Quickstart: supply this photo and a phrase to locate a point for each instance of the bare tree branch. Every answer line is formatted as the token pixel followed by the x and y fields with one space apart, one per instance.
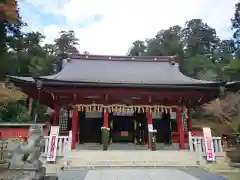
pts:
pixel 226 109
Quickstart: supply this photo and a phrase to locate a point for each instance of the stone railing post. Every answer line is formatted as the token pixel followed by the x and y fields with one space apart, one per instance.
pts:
pixel 190 141
pixel 199 149
pixel 65 152
pixel 70 140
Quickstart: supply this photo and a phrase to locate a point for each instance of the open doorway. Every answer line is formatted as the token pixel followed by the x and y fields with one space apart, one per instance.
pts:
pixel 122 129
pixel 163 127
pixel 90 128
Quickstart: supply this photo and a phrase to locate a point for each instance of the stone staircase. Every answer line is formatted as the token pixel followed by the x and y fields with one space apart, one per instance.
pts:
pixel 125 146
pixel 124 158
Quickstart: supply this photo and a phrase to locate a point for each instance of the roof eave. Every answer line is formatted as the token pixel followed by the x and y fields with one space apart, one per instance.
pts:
pixel 18 79
pixel 210 86
pixel 51 82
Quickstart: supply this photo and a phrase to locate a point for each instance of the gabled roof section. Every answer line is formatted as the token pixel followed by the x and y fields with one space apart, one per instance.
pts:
pixel 133 70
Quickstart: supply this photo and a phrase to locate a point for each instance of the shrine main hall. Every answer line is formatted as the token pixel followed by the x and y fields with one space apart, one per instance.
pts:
pixel 128 95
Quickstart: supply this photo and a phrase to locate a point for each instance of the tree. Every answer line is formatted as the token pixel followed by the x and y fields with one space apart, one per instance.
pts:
pixel 199 38
pixel 23 55
pixel 9 10
pixel 10 26
pixel 9 93
pixel 50 49
pixel 153 47
pixel 138 48
pixel 226 110
pixel 233 70
pixel 29 57
pixel 225 51
pixel 40 62
pixel 170 41
pixel 200 67
pixel 236 27
pixel 201 44
pixel 166 43
pixel 86 53
pixel 66 44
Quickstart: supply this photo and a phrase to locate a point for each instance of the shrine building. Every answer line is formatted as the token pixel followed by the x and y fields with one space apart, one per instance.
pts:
pixel 128 94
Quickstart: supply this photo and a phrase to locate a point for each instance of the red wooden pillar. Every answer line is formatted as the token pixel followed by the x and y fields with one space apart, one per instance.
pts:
pixel 180 127
pixel 189 120
pixel 74 127
pixel 78 130
pixel 105 119
pixel 56 114
pixel 150 125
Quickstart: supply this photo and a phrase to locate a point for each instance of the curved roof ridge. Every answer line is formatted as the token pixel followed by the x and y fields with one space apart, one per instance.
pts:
pixel 124 58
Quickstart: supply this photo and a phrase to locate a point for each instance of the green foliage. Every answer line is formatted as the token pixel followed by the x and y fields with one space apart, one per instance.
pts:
pixel 9 30
pixel 200 53
pixel 199 38
pixel 14 112
pixel 233 69
pixel 24 55
pixel 66 44
pixel 236 25
pixel 199 65
pixel 137 49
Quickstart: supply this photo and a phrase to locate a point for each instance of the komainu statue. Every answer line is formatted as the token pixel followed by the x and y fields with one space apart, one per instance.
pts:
pixel 26 157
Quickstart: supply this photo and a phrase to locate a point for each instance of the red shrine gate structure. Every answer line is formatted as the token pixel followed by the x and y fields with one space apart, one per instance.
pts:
pixel 113 84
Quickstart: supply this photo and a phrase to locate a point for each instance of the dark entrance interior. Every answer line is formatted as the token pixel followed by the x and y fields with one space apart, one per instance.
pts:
pixel 129 128
pixel 90 129
pixel 163 127
pixel 122 129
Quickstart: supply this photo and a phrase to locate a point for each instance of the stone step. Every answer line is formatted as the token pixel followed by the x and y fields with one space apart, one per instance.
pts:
pixel 131 158
pixel 94 166
pixel 132 155
pixel 132 162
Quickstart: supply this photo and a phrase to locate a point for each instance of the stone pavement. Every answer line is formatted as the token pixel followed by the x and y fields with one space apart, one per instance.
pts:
pixel 139 174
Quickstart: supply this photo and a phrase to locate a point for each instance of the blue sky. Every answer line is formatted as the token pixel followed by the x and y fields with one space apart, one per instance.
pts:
pixel 110 26
pixel 33 15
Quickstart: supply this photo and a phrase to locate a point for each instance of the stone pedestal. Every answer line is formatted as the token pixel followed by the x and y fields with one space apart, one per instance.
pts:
pixel 25 163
